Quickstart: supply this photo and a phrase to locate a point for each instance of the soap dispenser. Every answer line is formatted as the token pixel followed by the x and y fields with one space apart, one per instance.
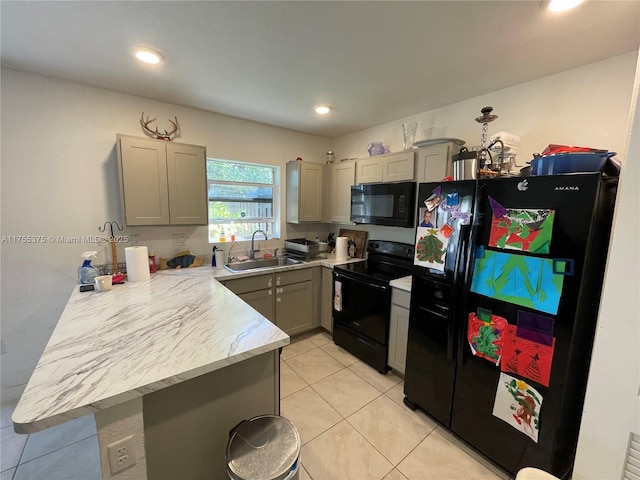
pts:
pixel 213 256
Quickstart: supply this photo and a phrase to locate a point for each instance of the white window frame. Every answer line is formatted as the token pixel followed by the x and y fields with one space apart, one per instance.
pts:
pixel 273 220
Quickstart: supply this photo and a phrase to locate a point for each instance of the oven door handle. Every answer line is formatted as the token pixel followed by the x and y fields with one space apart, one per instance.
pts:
pixel 362 282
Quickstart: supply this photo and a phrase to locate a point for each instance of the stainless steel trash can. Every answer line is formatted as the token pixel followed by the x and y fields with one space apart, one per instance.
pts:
pixel 266 447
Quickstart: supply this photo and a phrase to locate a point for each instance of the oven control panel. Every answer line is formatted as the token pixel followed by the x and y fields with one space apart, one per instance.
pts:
pixel 396 249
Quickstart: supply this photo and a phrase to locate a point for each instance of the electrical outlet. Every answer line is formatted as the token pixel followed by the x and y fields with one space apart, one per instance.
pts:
pixel 178 239
pixel 122 454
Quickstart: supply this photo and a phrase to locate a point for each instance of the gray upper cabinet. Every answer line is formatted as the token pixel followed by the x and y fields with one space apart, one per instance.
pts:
pixel 434 162
pixel 393 167
pixel 342 179
pixel 162 183
pixel 304 192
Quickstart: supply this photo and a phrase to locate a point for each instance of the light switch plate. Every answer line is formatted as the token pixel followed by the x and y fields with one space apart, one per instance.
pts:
pixel 178 239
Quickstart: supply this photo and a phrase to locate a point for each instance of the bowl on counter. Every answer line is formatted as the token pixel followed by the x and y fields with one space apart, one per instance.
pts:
pixel 570 163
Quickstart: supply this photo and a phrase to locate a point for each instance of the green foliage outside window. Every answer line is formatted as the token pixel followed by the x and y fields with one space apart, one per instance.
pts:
pixel 242 199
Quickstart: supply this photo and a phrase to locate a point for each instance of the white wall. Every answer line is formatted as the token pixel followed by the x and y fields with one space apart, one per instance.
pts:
pixel 588 106
pixel 59 177
pixel 612 404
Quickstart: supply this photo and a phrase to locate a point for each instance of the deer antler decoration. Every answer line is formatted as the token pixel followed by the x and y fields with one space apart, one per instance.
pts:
pixel 155 133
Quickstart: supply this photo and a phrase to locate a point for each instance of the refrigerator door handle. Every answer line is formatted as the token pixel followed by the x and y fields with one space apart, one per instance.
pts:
pixel 470 240
pixel 451 340
pixel 461 257
pixel 462 249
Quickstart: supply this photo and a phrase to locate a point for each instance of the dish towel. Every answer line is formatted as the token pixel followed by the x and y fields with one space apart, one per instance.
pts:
pixel 337 297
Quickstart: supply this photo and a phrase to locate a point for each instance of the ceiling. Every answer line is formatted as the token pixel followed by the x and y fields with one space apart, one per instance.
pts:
pixel 272 61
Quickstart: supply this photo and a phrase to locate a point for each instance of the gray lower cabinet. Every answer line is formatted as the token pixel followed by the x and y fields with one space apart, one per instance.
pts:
pixel 326 305
pixel 286 298
pixel 257 291
pixel 293 307
pixel 294 301
pixel 399 329
pixel 186 426
pixel 262 302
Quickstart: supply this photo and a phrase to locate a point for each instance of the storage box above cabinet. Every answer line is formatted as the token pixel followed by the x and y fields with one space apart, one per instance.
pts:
pixel 162 183
pixel 394 167
pixel 304 192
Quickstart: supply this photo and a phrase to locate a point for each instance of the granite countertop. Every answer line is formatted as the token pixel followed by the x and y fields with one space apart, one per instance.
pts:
pixel 403 283
pixel 140 337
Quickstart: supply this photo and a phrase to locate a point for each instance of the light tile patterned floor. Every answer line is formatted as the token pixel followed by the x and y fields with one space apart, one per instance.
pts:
pixel 352 423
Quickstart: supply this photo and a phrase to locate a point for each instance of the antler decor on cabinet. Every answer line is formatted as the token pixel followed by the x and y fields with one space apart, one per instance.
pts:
pixel 155 133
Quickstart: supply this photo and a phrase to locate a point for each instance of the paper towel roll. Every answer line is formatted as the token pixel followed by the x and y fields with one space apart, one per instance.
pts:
pixel 219 258
pixel 341 249
pixel 137 259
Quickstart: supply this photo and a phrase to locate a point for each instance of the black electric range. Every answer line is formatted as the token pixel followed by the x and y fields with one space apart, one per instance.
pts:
pixel 362 300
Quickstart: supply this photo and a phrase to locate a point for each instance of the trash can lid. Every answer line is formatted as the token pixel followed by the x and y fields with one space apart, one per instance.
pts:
pixel 262 448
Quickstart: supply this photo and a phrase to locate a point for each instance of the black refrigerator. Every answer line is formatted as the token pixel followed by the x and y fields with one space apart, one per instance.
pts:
pixel 505 293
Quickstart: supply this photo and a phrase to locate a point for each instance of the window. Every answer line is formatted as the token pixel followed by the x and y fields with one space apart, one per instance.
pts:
pixel 243 198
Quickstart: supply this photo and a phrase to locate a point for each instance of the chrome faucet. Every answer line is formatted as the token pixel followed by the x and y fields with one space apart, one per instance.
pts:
pixel 230 258
pixel 252 252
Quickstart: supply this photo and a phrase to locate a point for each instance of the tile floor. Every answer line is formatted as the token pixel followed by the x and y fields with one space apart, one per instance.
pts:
pixel 351 419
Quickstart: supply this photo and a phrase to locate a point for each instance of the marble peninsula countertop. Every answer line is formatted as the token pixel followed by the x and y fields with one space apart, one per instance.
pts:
pixel 111 347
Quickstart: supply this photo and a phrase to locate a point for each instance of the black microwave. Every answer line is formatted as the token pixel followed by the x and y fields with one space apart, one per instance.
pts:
pixel 391 204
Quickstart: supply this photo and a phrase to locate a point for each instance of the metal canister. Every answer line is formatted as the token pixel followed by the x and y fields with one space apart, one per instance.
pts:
pixel 266 447
pixel 465 165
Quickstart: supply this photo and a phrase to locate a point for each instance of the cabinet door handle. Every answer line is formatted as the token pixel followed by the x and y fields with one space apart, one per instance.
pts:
pixel 278 300
pixel 279 290
pixel 270 292
pixel 277 280
pixel 270 283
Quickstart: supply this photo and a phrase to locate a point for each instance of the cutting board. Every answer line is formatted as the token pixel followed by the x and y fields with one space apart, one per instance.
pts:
pixel 358 236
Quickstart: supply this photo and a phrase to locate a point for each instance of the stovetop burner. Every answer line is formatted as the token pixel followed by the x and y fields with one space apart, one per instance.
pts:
pixel 386 261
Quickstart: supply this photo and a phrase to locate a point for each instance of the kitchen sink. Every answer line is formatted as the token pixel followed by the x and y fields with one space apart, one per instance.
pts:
pixel 259 263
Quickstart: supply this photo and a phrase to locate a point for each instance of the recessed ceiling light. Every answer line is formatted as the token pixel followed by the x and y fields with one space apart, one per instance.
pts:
pixel 562 5
pixel 148 56
pixel 323 108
